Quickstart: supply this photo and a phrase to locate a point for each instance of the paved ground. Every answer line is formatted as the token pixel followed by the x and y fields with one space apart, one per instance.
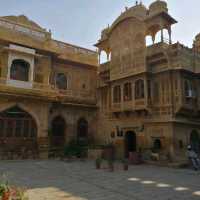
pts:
pixel 55 180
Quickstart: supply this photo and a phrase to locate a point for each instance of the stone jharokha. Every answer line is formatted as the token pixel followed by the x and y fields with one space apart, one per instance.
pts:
pixel 148 90
pixel 146 96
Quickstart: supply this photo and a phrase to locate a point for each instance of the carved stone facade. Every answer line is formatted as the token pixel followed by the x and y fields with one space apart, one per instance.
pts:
pixel 148 94
pixel 146 97
pixel 48 90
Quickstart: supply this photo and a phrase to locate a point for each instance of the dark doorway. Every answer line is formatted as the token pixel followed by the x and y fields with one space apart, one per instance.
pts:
pixel 130 143
pixel 57 136
pixel 195 141
pixel 82 130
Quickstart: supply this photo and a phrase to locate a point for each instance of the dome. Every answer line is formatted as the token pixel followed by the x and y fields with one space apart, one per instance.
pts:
pixel 197 37
pixel 158 7
pixel 139 12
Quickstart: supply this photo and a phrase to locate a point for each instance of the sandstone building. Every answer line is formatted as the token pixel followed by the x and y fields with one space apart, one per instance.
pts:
pixel 149 94
pixel 146 96
pixel 47 89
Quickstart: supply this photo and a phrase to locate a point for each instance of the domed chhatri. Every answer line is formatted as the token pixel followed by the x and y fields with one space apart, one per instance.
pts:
pixel 158 7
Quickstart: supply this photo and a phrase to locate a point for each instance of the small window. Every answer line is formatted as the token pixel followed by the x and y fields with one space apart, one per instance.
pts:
pixel 181 144
pixel 189 89
pixel 117 94
pixel 127 92
pixel 83 86
pixel 61 81
pixel 139 89
pixel 157 145
pixel 149 89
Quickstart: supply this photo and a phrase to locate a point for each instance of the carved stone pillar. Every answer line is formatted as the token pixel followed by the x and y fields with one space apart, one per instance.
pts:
pixel 170 34
pixel 43 147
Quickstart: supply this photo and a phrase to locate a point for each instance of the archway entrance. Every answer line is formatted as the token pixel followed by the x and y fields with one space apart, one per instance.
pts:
pixel 57 137
pixel 18 132
pixel 195 141
pixel 82 130
pixel 130 143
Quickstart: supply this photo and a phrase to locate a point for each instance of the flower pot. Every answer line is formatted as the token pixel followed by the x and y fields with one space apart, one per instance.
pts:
pixel 6 196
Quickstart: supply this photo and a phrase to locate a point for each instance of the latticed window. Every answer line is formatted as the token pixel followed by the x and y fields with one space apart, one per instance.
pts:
pixel 189 89
pixel 61 81
pixel 127 92
pixel 16 123
pixel 19 70
pixel 139 89
pixel 117 94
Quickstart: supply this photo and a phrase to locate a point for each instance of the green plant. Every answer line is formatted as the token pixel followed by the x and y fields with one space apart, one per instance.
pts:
pixel 3 188
pixel 75 149
pixel 98 161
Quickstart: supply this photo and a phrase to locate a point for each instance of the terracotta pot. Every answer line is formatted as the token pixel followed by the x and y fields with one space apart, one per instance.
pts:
pixel 6 196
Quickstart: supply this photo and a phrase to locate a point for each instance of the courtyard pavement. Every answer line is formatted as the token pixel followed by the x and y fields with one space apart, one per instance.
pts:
pixel 56 180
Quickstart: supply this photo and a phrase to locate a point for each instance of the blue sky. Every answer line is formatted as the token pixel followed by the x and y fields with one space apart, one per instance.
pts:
pixel 80 21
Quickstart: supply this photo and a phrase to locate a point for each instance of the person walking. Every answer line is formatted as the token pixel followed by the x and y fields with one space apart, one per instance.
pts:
pixel 193 157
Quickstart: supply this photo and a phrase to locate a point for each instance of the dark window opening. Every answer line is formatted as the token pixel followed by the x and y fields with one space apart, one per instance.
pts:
pixel 127 92
pixel 20 70
pixel 61 81
pixel 117 94
pixel 139 89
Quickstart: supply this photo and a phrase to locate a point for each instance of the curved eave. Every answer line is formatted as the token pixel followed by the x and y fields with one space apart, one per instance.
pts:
pixel 163 15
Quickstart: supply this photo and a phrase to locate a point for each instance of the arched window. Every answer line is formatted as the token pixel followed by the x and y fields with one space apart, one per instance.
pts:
pixel 139 89
pixel 17 123
pixel 127 92
pixel 117 94
pixel 19 70
pixel 61 81
pixel 82 129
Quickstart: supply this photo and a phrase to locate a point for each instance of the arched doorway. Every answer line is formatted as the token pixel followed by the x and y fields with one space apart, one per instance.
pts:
pixel 57 137
pixel 82 130
pixel 130 143
pixel 195 141
pixel 18 131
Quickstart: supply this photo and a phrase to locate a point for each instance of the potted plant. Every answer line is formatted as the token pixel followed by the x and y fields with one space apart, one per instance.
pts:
pixel 4 192
pixel 125 164
pixel 111 165
pixel 98 163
